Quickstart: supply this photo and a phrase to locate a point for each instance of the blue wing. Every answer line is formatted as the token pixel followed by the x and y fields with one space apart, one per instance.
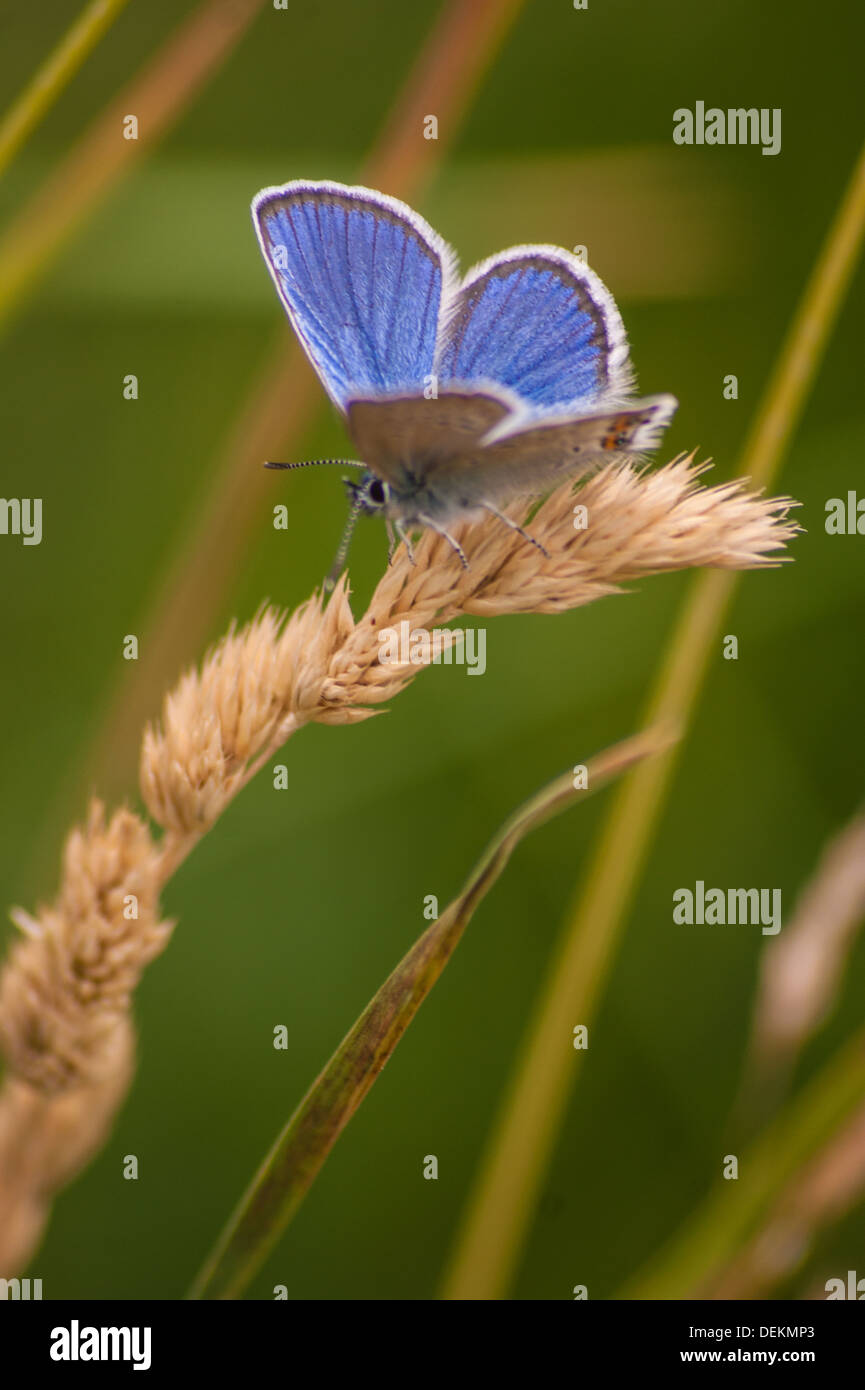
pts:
pixel 536 320
pixel 362 278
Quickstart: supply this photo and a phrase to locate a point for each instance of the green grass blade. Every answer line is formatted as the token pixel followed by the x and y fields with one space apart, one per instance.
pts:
pixel 164 86
pixel 506 1194
pixel 296 1158
pixel 49 81
pixel 733 1210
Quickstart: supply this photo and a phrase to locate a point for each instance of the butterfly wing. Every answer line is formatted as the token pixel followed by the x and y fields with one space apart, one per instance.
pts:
pixel 472 446
pixel 362 278
pixel 407 439
pixel 540 322
pixel 530 457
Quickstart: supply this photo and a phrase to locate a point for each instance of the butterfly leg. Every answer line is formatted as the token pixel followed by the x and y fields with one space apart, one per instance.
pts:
pixel 515 526
pixel 391 538
pixel 406 540
pixel 454 544
pixel 339 560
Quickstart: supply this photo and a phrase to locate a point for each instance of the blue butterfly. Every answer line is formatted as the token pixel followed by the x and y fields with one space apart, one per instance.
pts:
pixel 460 395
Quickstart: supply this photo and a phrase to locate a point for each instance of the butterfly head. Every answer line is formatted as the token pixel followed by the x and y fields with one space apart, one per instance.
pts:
pixel 368 494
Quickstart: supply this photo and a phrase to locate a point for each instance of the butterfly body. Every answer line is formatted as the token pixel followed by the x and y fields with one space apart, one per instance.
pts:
pixel 460 396
pixel 414 446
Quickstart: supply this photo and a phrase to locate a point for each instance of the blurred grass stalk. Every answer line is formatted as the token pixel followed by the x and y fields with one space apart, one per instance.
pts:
pixel 506 1193
pixel 50 80
pixel 158 97
pixel 715 1235
pixel 808 1168
pixel 828 1187
pixel 802 972
pixel 291 1167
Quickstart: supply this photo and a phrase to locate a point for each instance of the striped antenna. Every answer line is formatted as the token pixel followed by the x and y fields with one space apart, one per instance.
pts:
pixel 317 463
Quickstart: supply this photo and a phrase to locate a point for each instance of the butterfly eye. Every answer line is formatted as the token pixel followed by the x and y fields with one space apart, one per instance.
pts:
pixel 376 492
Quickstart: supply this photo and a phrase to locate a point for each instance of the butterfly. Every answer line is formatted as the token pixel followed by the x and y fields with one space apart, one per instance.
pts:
pixel 460 395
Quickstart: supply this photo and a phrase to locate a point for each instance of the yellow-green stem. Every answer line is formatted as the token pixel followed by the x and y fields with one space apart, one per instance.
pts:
pixel 505 1197
pixel 732 1211
pixel 49 81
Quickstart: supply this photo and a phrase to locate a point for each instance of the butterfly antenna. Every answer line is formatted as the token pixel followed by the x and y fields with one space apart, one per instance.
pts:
pixel 317 463
pixel 339 560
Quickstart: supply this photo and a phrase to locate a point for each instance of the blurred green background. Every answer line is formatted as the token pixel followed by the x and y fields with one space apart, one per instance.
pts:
pixel 299 903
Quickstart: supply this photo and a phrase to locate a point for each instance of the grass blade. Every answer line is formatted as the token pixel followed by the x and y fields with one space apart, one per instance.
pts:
pixel 507 1190
pixel 160 93
pixel 733 1209
pixel 49 81
pixel 296 1158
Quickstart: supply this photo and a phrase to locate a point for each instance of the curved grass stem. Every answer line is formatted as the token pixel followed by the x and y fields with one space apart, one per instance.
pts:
pixel 294 1162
